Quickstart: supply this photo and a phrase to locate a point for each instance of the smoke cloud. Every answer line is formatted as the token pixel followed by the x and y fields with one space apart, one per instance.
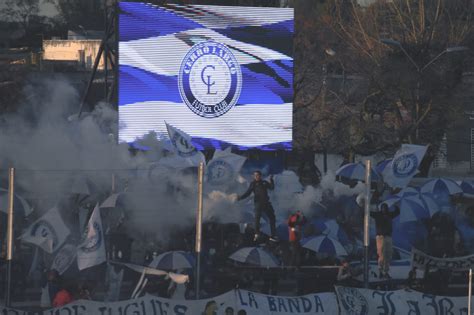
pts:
pixel 59 156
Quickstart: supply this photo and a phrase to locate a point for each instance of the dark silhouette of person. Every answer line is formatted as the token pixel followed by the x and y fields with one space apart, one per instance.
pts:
pixel 383 230
pixel 259 188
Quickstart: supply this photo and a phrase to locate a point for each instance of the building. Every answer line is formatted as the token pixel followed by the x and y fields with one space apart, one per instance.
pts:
pixel 79 54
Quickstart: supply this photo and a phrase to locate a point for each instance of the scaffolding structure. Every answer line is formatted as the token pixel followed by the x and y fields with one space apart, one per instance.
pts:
pixel 108 50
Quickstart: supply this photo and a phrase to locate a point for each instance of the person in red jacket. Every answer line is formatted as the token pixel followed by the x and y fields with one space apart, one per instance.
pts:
pixel 295 226
pixel 63 297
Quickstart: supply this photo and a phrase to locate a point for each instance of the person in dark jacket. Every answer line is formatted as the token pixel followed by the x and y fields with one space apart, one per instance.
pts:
pixel 259 188
pixel 383 230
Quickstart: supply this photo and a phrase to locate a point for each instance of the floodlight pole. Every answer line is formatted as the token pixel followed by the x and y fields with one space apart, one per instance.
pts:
pixel 366 223
pixel 199 229
pixel 11 183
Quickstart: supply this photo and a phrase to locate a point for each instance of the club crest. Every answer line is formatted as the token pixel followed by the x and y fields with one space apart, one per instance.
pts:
pixel 210 79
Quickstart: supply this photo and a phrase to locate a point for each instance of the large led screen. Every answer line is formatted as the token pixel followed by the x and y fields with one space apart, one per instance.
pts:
pixel 221 74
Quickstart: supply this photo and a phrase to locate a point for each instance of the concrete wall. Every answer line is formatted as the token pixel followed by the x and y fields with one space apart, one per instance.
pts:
pixel 83 52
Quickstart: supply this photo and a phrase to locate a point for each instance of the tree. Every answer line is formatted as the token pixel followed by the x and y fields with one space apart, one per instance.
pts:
pixel 404 87
pixel 20 11
pixel 75 14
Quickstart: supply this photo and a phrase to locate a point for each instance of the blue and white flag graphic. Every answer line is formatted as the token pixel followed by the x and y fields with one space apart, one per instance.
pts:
pixel 91 251
pixel 404 165
pixel 224 167
pixel 184 148
pixel 222 74
pixel 48 232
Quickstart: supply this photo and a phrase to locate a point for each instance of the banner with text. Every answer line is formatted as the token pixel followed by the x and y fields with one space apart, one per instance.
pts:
pixel 422 260
pixel 229 303
pixel 355 301
pixel 352 301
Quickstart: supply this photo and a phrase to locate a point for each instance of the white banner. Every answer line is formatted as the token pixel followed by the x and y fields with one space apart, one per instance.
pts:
pixel 399 270
pixel 256 303
pixel 11 311
pixel 91 251
pixel 151 305
pixel 228 303
pixel 355 301
pixel 48 232
pixel 404 165
pixel 422 260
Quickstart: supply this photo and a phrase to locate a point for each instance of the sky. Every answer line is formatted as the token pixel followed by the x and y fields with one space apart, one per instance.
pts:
pixel 46 9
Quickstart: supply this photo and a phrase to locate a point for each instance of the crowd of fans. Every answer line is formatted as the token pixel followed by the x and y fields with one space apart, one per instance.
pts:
pixel 302 271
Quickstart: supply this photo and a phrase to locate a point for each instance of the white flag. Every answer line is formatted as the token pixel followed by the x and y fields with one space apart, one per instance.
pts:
pixel 404 165
pixel 224 168
pixel 91 251
pixel 183 147
pixel 64 258
pixel 48 232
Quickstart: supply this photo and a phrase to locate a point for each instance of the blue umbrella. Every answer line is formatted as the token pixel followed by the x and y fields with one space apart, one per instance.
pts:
pixel 412 207
pixel 427 199
pixel 356 171
pixel 20 205
pixel 405 235
pixel 331 228
pixel 324 244
pixel 255 256
pixel 173 260
pixel 467 187
pixel 409 234
pixel 441 187
pixel 380 167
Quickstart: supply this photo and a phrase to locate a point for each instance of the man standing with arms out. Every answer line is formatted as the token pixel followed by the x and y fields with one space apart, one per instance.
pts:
pixel 383 227
pixel 260 188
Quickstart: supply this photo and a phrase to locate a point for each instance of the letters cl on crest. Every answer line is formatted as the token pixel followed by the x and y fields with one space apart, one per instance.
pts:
pixel 210 79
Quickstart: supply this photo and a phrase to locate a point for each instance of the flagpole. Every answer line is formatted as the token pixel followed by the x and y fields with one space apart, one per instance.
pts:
pixel 366 223
pixel 469 298
pixel 113 183
pixel 11 182
pixel 199 229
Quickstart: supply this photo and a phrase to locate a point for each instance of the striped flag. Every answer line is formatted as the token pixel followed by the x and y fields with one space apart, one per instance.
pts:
pixel 247 77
